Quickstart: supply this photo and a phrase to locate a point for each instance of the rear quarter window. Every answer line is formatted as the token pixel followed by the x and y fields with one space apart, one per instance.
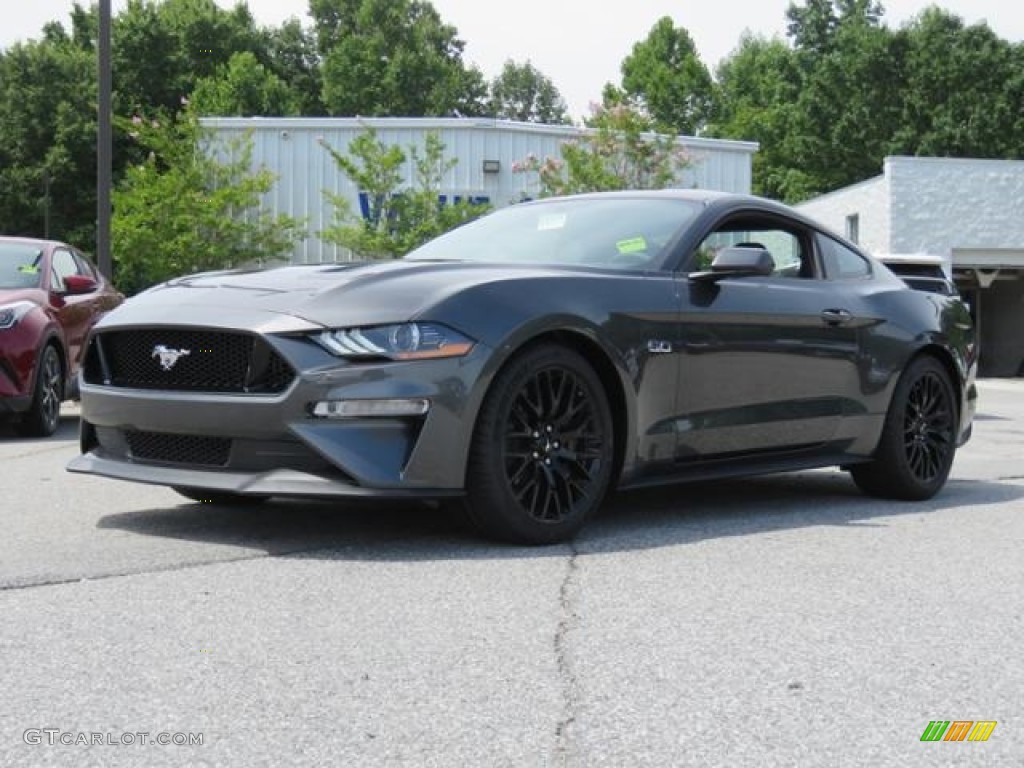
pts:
pixel 841 262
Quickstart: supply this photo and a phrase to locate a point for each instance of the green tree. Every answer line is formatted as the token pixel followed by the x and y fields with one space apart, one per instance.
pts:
pixel 522 92
pixel 295 60
pixel 758 90
pixel 84 25
pixel 666 78
pixel 849 108
pixel 962 90
pixel 193 205
pixel 619 151
pixel 162 48
pixel 824 110
pixel 48 121
pixel 148 66
pixel 401 216
pixel 393 57
pixel 244 88
pixel 48 151
pixel 331 21
pixel 813 26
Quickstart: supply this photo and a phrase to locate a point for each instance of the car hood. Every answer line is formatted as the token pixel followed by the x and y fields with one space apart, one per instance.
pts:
pixel 335 295
pixel 11 295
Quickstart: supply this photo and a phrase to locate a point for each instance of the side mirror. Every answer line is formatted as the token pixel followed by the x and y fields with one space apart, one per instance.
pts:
pixel 75 285
pixel 738 261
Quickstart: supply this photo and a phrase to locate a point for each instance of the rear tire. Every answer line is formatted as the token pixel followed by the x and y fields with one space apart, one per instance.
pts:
pixel 43 416
pixel 543 449
pixel 918 444
pixel 220 498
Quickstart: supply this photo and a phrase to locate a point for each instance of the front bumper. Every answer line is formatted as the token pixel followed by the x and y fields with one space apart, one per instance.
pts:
pixel 19 349
pixel 273 445
pixel 12 405
pixel 277 482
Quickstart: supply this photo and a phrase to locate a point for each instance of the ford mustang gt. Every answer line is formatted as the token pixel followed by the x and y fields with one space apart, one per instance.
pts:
pixel 531 361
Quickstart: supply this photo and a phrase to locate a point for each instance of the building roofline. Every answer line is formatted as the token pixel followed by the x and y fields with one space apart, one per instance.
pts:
pixel 911 160
pixel 843 190
pixel 896 160
pixel 481 123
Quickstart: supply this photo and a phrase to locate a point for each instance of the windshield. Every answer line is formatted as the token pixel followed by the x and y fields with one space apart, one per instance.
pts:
pixel 616 233
pixel 19 265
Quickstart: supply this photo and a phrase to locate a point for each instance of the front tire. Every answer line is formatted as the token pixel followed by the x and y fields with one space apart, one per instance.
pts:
pixel 915 453
pixel 43 416
pixel 543 449
pixel 219 498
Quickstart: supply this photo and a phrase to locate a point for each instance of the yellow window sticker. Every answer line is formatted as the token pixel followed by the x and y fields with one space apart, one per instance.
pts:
pixel 633 245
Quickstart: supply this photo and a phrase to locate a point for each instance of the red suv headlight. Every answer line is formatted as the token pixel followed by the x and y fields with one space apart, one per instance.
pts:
pixel 10 314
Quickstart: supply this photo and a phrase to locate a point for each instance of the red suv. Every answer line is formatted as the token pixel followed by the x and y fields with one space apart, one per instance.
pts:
pixel 50 296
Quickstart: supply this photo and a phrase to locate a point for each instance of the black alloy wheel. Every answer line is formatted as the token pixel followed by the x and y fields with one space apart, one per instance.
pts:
pixel 928 427
pixel 43 416
pixel 542 454
pixel 918 442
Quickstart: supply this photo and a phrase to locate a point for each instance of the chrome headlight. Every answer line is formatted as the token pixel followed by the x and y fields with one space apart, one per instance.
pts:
pixel 10 314
pixel 407 341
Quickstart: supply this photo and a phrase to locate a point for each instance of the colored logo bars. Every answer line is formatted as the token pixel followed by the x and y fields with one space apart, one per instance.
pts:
pixel 958 730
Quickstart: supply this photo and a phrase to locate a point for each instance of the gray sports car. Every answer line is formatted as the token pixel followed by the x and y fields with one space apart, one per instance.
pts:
pixel 532 360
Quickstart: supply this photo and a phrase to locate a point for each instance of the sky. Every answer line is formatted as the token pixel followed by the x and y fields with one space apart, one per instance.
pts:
pixel 576 43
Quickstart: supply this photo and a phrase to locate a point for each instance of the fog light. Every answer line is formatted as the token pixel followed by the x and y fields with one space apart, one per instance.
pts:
pixel 351 409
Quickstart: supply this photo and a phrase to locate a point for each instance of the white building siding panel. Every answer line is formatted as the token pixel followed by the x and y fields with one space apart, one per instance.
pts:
pixel 292 149
pixel 932 205
pixel 939 204
pixel 868 201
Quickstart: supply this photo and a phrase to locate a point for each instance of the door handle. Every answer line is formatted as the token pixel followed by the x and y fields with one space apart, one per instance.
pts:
pixel 836 316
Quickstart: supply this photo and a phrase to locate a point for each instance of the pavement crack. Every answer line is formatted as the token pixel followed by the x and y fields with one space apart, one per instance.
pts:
pixel 568 602
pixel 33 452
pixel 169 568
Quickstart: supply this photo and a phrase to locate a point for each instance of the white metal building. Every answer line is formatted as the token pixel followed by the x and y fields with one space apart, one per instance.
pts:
pixel 969 212
pixel 486 150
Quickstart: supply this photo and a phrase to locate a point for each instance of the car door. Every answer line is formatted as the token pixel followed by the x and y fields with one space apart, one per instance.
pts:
pixel 74 313
pixel 768 363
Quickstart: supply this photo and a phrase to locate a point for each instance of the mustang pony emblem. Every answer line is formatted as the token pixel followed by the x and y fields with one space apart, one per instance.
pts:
pixel 169 357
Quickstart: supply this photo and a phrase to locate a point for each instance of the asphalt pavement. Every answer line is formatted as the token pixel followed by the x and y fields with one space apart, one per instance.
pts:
pixel 777 621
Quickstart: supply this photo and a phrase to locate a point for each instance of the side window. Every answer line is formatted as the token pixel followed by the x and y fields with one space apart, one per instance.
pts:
pixel 85 267
pixel 63 265
pixel 840 262
pixel 791 258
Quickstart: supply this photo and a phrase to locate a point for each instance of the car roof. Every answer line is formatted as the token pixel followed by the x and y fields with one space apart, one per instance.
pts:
pixel 29 241
pixel 723 202
pixel 696 195
pixel 707 197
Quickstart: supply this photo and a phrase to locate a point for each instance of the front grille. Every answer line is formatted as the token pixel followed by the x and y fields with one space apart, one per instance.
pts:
pixel 177 359
pixel 178 449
